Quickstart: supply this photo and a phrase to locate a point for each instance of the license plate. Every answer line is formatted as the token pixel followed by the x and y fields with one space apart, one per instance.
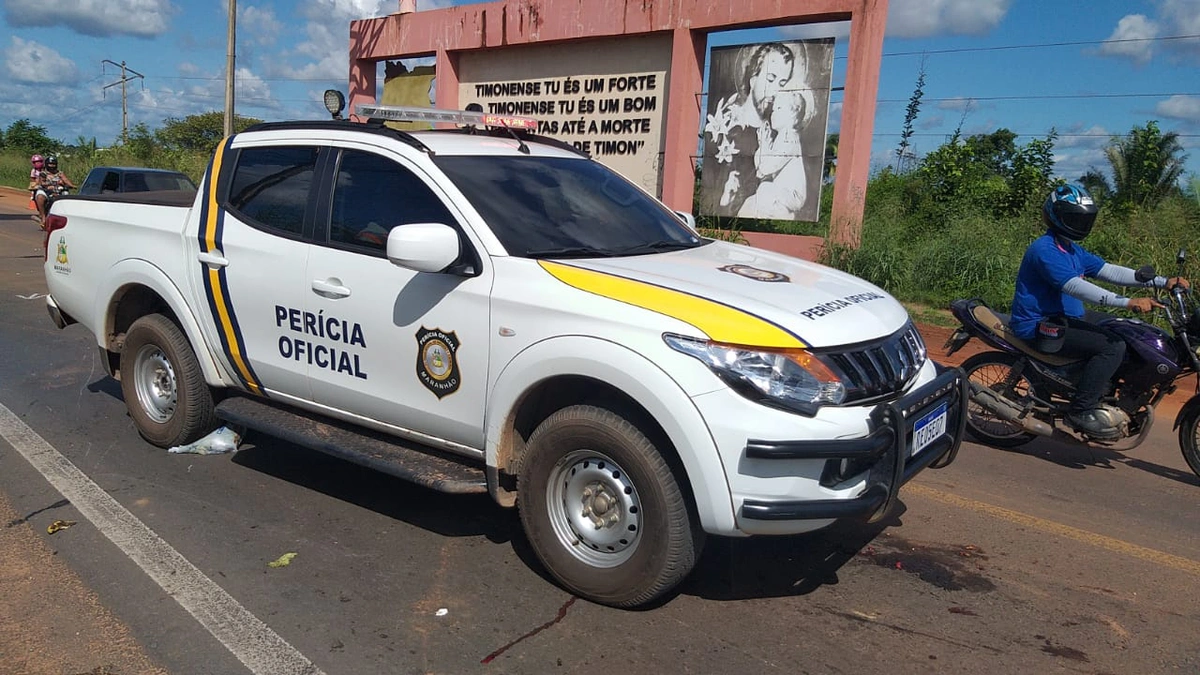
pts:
pixel 929 428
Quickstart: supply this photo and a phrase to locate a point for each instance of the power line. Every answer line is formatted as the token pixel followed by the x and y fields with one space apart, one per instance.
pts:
pixel 1076 43
pixel 1042 133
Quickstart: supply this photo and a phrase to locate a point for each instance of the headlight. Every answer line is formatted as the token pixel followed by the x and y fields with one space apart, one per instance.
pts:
pixel 790 378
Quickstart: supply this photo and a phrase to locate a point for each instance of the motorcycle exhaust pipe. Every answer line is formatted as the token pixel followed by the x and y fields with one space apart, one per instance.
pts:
pixel 1006 410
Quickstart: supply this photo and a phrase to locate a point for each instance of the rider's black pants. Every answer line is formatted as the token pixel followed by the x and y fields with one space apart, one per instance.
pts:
pixel 1104 351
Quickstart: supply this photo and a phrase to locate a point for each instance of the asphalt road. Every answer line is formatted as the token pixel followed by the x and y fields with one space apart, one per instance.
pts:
pixel 1043 560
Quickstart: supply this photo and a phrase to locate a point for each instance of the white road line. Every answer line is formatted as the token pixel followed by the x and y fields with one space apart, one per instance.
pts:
pixel 243 634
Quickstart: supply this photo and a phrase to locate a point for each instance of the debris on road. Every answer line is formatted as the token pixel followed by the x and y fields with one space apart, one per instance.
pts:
pixel 441 612
pixel 283 560
pixel 59 525
pixel 219 442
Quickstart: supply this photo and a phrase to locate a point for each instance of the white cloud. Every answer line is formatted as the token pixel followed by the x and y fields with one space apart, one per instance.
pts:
pixel 258 24
pixel 29 61
pixel 958 103
pixel 1183 16
pixel 835 118
pixel 1180 107
pixel 930 122
pixel 834 29
pixel 1132 27
pixel 1079 136
pixel 926 18
pixel 101 18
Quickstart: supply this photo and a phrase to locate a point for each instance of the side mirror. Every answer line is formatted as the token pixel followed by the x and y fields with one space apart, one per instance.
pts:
pixel 688 219
pixel 1181 257
pixel 423 247
pixel 1144 274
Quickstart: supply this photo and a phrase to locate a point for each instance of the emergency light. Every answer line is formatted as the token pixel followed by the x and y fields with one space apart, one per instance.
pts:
pixel 399 113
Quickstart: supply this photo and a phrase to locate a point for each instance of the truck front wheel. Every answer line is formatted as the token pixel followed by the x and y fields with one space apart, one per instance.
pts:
pixel 603 509
pixel 164 389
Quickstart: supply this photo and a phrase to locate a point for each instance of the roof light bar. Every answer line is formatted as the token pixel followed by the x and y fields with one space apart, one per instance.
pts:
pixel 398 113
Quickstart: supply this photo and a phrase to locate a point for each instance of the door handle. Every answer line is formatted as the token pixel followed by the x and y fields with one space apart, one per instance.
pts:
pixel 330 288
pixel 214 258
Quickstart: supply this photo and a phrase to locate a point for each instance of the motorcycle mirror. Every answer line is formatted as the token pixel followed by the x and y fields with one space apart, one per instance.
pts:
pixel 1144 274
pixel 1181 257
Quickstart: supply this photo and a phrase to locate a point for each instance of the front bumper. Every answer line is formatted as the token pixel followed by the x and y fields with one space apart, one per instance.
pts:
pixel 885 448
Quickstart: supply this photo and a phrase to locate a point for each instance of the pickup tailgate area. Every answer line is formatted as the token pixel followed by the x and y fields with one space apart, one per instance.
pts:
pixel 104 231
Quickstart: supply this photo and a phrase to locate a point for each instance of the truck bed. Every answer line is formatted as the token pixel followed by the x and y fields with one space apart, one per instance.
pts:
pixel 155 198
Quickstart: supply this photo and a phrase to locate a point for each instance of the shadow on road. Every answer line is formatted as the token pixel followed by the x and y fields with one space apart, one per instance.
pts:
pixel 1082 457
pixel 769 567
pixel 448 515
pixel 729 569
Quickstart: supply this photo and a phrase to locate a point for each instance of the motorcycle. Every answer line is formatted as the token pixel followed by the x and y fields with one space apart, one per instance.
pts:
pixel 53 192
pixel 1019 393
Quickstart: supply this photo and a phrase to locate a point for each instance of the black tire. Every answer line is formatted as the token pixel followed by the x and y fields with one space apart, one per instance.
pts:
pixel 651 539
pixel 990 369
pixel 162 383
pixel 1189 428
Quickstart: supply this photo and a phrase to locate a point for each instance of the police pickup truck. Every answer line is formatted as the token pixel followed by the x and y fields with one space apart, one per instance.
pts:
pixel 481 309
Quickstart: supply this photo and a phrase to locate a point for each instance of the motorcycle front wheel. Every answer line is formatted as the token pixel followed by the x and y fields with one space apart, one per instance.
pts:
pixel 992 370
pixel 1189 439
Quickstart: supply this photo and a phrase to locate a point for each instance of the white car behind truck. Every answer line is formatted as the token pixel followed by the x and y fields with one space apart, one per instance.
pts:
pixel 486 310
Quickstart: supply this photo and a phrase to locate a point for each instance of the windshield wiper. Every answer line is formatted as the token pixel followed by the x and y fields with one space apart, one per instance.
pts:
pixel 570 252
pixel 655 247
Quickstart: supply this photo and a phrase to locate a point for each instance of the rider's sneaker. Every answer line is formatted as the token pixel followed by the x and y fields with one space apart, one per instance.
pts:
pixel 1094 423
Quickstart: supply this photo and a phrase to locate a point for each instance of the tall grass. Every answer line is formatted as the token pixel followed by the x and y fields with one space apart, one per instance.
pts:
pixel 932 256
pixel 14 167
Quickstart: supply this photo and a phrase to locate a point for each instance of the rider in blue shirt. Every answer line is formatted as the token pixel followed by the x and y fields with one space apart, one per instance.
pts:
pixel 1051 285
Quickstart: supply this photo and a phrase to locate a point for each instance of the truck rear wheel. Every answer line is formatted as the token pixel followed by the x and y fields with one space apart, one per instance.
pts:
pixel 164 389
pixel 603 509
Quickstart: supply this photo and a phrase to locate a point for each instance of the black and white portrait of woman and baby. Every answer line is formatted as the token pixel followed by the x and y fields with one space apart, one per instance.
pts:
pixel 764 137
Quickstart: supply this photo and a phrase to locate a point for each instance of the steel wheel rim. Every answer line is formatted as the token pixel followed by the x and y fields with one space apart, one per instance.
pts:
pixel 155 384
pixel 983 419
pixel 594 509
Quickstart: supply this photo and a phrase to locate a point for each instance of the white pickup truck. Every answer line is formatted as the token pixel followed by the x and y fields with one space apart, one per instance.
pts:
pixel 487 310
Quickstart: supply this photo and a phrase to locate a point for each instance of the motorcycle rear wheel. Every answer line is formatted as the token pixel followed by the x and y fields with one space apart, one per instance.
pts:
pixel 1189 439
pixel 990 370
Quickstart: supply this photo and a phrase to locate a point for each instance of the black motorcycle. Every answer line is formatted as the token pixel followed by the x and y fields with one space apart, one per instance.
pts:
pixel 1019 392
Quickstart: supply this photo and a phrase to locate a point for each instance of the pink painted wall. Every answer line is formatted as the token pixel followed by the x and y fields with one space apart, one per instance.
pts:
pixel 445 32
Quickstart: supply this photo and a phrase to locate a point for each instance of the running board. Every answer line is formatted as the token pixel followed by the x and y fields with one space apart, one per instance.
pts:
pixel 387 454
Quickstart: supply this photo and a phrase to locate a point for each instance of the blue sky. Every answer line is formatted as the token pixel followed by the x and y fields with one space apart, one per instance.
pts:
pixel 1131 69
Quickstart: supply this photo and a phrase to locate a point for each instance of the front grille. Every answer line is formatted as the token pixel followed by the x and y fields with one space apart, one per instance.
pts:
pixel 880 368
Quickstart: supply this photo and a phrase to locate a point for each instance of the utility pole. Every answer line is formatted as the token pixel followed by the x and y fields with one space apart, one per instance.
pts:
pixel 124 104
pixel 230 60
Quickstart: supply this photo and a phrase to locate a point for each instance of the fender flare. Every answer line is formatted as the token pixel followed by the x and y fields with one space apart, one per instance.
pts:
pixel 132 271
pixel 644 382
pixel 1187 408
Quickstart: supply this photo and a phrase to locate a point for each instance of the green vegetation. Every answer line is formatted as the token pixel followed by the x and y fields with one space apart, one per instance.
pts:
pixel 183 144
pixel 957 223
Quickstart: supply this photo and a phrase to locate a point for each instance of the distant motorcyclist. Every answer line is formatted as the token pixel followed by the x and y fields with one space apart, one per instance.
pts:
pixel 35 174
pixel 51 183
pixel 1051 286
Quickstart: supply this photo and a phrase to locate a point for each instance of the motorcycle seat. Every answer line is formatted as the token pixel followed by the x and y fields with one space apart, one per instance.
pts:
pixel 997 324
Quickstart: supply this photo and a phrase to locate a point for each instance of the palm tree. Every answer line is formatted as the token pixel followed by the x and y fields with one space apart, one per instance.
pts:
pixel 1146 165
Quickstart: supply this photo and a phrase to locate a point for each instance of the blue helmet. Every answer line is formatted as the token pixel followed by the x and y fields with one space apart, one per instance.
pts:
pixel 1070 212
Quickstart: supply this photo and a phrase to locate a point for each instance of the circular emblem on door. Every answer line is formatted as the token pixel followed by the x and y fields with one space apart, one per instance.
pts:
pixel 437 362
pixel 755 273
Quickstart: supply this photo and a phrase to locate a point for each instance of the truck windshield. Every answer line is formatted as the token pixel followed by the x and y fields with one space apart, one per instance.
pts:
pixel 564 207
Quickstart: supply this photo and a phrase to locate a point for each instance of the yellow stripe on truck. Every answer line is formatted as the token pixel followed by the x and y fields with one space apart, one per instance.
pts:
pixel 721 323
pixel 225 316
pixel 210 225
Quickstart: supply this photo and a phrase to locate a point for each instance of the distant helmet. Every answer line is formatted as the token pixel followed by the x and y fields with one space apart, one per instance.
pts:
pixel 52 162
pixel 1070 212
pixel 35 160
